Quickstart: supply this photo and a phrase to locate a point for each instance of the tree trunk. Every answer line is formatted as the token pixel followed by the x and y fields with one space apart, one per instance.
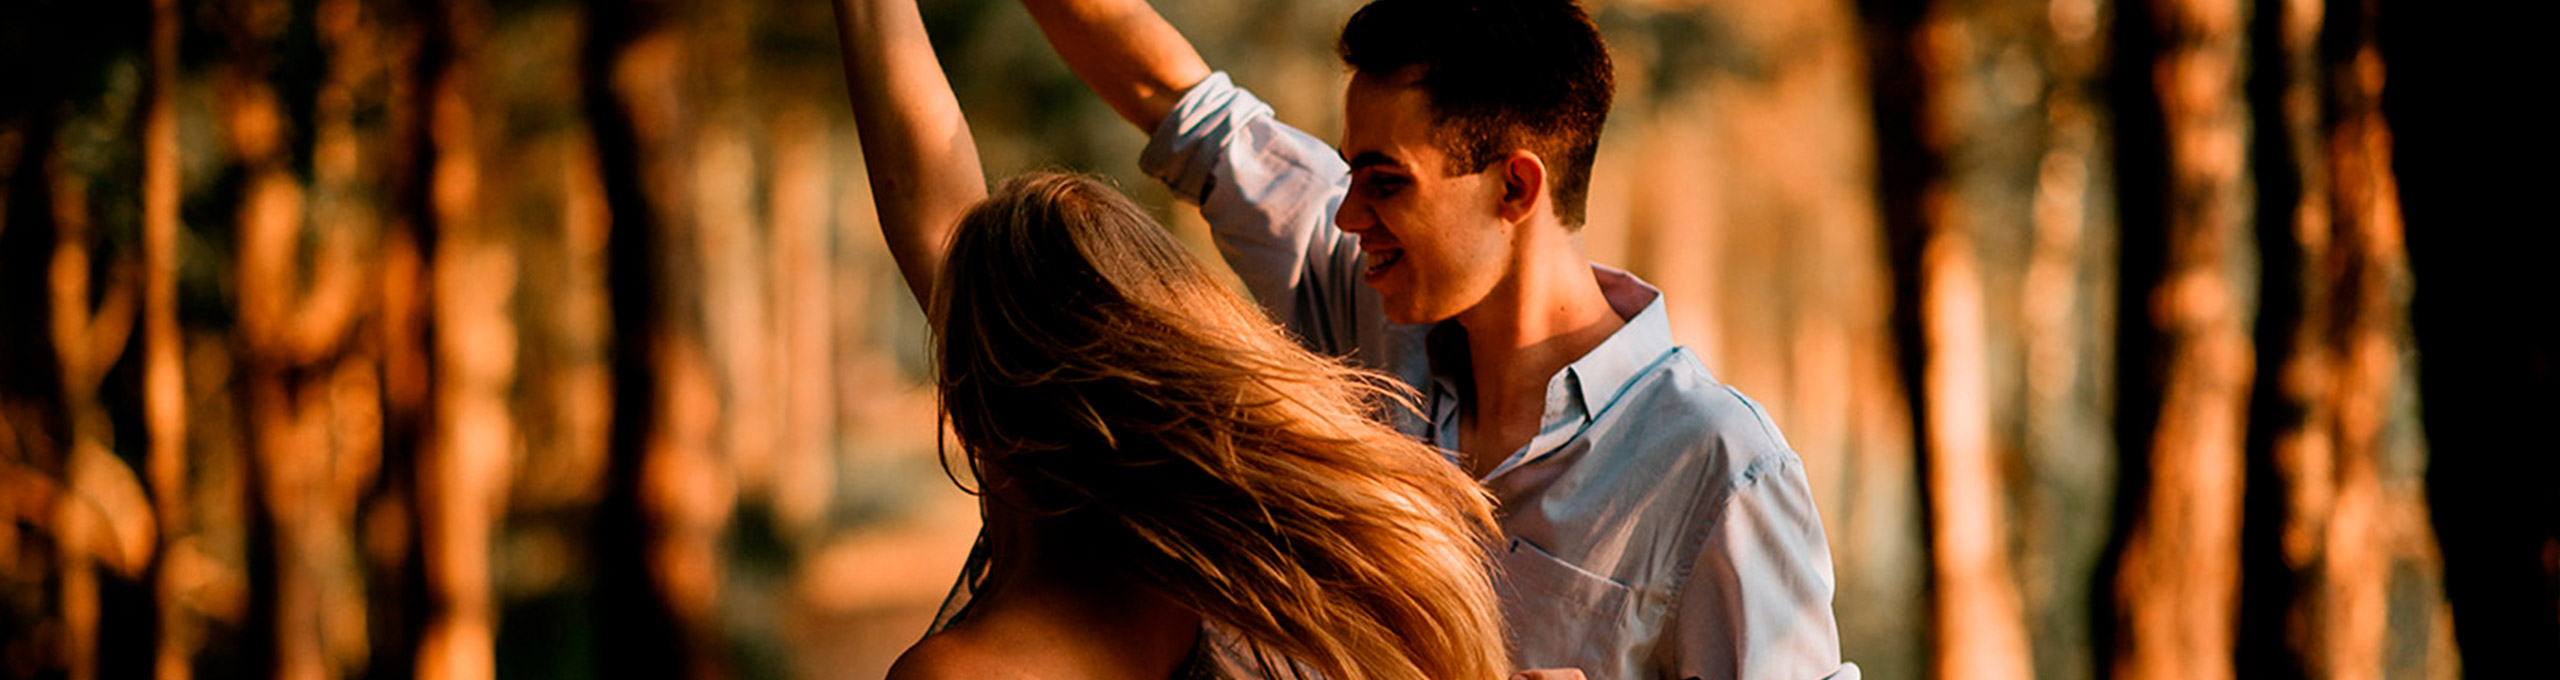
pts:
pixel 164 392
pixel 402 610
pixel 294 339
pixel 2468 160
pixel 103 518
pixel 634 617
pixel 1942 325
pixel 2189 272
pixel 464 466
pixel 2345 520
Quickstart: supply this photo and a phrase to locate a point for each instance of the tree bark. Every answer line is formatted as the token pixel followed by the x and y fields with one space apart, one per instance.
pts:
pixel 2343 523
pixel 399 595
pixel 2177 572
pixel 104 517
pixel 164 392
pixel 1978 616
pixel 294 331
pixel 2468 161
pixel 634 618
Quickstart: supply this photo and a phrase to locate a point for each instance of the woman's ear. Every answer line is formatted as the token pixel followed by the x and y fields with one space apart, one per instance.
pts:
pixel 1524 184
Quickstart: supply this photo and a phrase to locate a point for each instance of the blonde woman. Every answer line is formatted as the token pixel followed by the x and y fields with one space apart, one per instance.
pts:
pixel 1151 453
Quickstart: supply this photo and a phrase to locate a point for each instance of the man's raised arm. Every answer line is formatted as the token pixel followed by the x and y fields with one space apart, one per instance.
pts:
pixel 915 145
pixel 1124 51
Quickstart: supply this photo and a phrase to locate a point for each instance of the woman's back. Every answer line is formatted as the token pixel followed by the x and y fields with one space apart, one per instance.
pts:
pixel 1057 629
pixel 1119 405
pixel 1117 401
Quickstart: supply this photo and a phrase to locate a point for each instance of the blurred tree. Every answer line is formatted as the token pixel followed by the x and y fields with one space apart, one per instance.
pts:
pixel 1990 152
pixel 81 529
pixel 395 522
pixel 627 78
pixel 414 315
pixel 101 516
pixel 2472 162
pixel 2189 299
pixel 297 332
pixel 466 273
pixel 1979 624
pixel 164 388
pixel 2337 531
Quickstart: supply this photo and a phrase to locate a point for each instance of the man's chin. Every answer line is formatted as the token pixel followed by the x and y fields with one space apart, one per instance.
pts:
pixel 1401 307
pixel 1407 315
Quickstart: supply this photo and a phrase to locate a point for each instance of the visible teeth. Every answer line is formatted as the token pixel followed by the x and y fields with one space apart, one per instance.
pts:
pixel 1380 261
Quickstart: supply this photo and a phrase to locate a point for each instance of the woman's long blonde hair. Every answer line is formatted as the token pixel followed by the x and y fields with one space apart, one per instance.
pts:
pixel 1100 378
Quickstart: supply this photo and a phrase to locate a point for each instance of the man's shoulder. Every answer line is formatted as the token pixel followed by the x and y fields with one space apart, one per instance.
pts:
pixel 1681 407
pixel 1671 448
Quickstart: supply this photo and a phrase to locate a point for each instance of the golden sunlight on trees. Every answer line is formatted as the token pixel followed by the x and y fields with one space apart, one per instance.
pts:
pixel 2353 513
pixel 468 339
pixel 2189 302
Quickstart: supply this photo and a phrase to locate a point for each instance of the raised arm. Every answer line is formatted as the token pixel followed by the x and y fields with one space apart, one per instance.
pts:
pixel 1124 51
pixel 915 146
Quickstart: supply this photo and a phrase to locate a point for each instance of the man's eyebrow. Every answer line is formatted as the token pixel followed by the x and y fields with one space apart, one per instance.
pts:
pixel 1368 159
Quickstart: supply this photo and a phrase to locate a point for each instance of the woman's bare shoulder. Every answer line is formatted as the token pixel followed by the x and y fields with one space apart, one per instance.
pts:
pixel 950 656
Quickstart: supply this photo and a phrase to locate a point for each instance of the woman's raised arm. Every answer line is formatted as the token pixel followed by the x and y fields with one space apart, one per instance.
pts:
pixel 915 145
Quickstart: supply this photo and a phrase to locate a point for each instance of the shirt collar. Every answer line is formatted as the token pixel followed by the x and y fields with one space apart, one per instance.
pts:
pixel 1583 388
pixel 1607 368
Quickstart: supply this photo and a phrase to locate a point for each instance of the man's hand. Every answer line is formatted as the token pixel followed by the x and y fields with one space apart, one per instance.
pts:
pixel 1549 674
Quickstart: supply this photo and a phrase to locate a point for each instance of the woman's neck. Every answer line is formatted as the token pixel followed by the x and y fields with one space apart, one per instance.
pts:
pixel 1069 614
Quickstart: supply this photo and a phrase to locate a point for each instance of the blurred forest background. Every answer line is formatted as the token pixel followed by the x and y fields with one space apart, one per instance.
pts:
pixel 459 339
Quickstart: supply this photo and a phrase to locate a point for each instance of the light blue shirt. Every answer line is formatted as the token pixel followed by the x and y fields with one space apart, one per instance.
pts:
pixel 1657 526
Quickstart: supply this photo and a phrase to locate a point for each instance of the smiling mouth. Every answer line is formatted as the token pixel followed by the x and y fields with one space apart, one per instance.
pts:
pixel 1382 260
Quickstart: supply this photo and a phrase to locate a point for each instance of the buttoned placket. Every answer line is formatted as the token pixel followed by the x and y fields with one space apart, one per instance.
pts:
pixel 1566 414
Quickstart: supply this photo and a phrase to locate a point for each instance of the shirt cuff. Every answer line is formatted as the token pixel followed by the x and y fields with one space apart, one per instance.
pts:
pixel 1187 143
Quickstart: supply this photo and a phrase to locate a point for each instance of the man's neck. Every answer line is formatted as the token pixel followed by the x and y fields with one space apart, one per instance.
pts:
pixel 1547 314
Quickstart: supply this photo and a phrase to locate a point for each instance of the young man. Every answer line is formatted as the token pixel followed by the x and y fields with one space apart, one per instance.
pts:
pixel 1657 525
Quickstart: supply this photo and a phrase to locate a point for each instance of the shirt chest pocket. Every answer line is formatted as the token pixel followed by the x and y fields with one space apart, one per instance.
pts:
pixel 1562 615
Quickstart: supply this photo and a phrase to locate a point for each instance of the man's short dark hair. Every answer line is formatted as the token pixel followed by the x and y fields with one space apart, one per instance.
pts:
pixel 1500 75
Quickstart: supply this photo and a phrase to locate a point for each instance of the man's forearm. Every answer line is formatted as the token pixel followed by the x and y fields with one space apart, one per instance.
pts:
pixel 1123 50
pixel 916 147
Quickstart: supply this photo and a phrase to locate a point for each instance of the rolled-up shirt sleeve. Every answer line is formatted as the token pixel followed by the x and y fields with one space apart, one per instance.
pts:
pixel 1757 601
pixel 1268 191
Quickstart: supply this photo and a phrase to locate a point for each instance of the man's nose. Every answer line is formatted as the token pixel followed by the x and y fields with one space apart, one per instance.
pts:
pixel 1353 216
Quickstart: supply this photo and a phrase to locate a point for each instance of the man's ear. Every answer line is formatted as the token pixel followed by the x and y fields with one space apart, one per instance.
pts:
pixel 1524 184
